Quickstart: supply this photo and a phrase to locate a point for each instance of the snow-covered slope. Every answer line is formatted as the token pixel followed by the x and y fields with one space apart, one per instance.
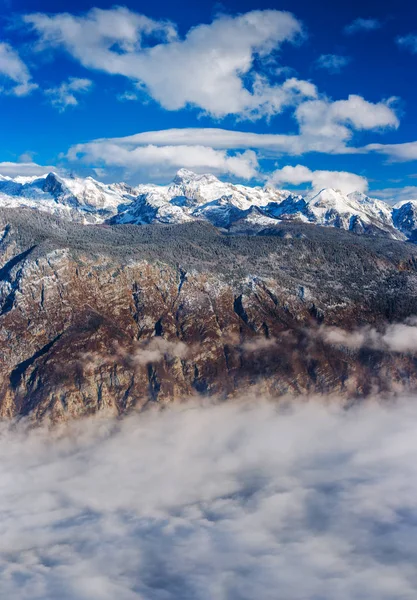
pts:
pixel 85 200
pixel 404 216
pixel 199 197
pixel 356 212
pixel 223 204
pixel 204 197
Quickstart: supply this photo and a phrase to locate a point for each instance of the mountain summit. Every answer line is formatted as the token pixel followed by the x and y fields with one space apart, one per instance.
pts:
pixel 194 197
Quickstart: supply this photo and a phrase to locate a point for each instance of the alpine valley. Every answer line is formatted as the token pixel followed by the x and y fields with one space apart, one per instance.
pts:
pixel 114 297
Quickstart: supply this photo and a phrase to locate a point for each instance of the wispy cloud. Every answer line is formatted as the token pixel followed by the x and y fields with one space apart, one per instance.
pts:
pixel 229 501
pixel 361 24
pixel 15 71
pixel 65 94
pixel 396 194
pixel 333 63
pixel 24 168
pixel 408 41
pixel 127 96
pixel 396 152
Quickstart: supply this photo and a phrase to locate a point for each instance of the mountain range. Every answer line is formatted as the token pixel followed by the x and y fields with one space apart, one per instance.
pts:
pixel 98 313
pixel 191 197
pixel 120 317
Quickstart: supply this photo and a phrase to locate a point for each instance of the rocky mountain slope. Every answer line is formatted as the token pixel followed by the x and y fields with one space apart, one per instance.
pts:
pixel 192 197
pixel 111 316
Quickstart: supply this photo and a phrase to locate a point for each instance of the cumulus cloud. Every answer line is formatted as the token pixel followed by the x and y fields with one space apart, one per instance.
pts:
pixel 361 24
pixel 398 337
pixel 333 63
pixel 14 70
pixel 162 161
pixel 408 41
pixel 344 181
pixel 227 501
pixel 211 68
pixel 64 95
pixel 25 169
pixel 327 126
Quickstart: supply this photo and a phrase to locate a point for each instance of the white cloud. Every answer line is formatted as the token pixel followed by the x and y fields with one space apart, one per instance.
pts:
pixel 153 351
pixel 209 68
pixel 259 344
pixel 64 95
pixel 341 180
pixel 26 157
pixel 322 123
pixel 24 169
pixel 396 152
pixel 324 126
pixel 362 25
pixel 127 96
pixel 225 139
pixel 162 161
pixel 408 41
pixel 13 69
pixel 328 126
pixel 333 63
pixel 394 195
pixel 398 337
pixel 232 501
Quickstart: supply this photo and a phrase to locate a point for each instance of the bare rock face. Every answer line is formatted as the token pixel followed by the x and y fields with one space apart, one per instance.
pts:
pixel 98 317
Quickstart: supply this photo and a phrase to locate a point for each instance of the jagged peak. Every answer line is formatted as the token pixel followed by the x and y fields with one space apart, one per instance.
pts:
pixel 401 203
pixel 186 176
pixel 326 194
pixel 53 176
pixel 359 196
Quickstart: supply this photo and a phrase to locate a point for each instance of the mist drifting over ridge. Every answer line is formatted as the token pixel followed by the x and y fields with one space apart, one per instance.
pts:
pixel 213 501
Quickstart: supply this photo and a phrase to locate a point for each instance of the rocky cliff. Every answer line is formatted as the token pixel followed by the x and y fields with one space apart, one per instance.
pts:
pixel 119 316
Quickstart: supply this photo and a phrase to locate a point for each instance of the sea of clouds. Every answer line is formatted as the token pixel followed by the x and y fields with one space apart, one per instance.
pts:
pixel 239 501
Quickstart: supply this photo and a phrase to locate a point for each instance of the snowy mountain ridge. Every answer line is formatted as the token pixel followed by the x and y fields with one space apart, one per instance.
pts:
pixel 193 197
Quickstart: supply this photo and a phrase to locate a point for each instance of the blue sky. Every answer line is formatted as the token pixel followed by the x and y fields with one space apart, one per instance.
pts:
pixel 317 95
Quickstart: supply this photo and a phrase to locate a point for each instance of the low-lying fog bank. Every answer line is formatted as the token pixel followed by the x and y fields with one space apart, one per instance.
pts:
pixel 233 501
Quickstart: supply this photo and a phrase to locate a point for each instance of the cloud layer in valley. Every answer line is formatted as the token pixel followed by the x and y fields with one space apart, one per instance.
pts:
pixel 229 501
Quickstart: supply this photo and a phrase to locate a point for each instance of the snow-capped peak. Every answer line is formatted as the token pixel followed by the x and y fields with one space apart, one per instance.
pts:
pixel 185 176
pixel 193 196
pixel 411 201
